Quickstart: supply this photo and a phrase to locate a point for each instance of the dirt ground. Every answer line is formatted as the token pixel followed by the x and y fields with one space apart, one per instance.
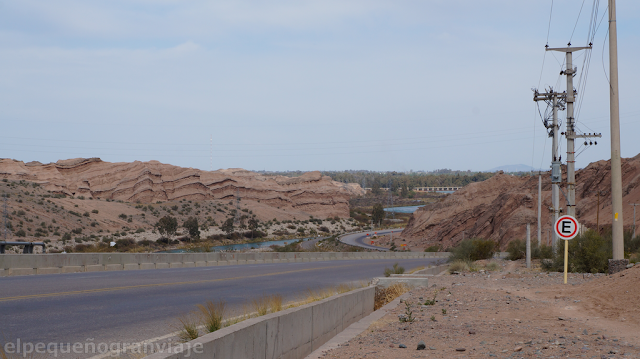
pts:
pixel 511 313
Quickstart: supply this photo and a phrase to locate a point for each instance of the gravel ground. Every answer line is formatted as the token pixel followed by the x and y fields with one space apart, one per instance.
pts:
pixel 511 313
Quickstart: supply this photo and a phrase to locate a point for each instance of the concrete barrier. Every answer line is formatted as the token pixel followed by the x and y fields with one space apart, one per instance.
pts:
pixel 290 334
pixel 29 264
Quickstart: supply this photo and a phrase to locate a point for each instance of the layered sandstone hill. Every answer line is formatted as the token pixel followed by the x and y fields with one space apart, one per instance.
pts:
pixel 500 207
pixel 149 182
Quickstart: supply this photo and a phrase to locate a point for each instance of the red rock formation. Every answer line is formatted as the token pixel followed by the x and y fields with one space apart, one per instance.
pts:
pixel 500 207
pixel 148 182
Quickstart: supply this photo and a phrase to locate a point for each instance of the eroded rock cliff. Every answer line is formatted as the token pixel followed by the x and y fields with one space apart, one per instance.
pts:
pixel 149 182
pixel 500 207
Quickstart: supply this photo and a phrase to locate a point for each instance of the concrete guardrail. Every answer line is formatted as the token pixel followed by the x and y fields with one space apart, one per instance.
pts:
pixel 30 264
pixel 290 334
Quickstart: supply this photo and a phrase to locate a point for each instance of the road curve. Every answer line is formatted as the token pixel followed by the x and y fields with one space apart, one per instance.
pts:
pixel 359 239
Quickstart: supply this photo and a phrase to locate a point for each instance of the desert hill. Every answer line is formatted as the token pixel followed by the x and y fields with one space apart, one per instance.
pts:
pixel 89 200
pixel 150 182
pixel 500 207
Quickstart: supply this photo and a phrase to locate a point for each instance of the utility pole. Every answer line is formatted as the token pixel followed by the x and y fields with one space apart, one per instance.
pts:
pixel 617 222
pixel 570 133
pixel 634 218
pixel 539 208
pixel 557 101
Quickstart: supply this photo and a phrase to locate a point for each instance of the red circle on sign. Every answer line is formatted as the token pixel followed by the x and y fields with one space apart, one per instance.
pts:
pixel 561 234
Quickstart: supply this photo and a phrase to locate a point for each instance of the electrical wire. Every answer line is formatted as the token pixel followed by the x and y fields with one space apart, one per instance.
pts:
pixel 574 26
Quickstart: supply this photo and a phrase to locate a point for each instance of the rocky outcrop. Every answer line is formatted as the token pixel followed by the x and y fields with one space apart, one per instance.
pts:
pixel 500 207
pixel 149 182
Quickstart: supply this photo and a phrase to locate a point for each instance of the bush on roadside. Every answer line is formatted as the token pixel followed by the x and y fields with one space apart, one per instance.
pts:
pixel 395 270
pixel 588 253
pixel 516 249
pixel 434 248
pixel 473 249
pixel 459 266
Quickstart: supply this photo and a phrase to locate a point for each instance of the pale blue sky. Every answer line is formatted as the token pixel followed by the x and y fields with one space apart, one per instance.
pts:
pixel 301 85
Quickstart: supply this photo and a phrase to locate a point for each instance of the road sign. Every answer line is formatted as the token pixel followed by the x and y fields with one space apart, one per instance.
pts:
pixel 566 227
pixel 371 242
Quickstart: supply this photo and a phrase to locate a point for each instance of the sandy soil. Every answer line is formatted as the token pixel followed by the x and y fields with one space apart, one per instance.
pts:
pixel 511 313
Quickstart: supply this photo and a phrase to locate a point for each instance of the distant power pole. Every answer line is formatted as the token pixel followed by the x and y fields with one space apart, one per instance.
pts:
pixel 211 154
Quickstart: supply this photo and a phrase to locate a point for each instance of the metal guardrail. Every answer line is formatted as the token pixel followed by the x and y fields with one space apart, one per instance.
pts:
pixel 28 246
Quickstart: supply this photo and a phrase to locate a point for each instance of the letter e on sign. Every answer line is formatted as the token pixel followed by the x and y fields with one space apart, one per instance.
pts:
pixel 566 227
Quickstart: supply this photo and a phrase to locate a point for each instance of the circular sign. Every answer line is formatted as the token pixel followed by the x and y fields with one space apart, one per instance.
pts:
pixel 566 227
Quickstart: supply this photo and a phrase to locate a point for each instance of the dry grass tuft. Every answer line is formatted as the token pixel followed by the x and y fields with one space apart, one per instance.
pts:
pixel 493 266
pixel 189 325
pixel 212 314
pixel 416 269
pixel 275 303
pixel 386 295
pixel 459 266
pixel 261 305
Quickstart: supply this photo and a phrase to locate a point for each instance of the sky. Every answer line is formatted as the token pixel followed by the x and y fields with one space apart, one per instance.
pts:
pixel 306 85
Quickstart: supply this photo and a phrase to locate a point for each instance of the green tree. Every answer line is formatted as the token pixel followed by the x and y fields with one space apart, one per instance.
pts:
pixel 191 225
pixel 404 190
pixel 375 187
pixel 167 225
pixel 253 225
pixel 377 214
pixel 227 226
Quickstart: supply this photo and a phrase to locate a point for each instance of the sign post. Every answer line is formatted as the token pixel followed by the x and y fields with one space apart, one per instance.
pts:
pixel 566 228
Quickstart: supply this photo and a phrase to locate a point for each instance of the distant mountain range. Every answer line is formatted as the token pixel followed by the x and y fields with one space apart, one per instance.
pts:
pixel 516 168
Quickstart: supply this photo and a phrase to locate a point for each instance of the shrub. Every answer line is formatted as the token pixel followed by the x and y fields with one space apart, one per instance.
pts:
pixel 395 270
pixel 588 253
pixel 213 314
pixel 434 248
pixel 124 244
pixel 493 267
pixel 21 233
pixel 473 249
pixel 189 326
pixel 459 266
pixel 122 215
pixel 94 211
pixel 386 295
pixel 516 249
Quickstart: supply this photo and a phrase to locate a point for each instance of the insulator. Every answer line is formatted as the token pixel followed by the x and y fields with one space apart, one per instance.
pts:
pixel 595 143
pixel 585 143
pixel 590 143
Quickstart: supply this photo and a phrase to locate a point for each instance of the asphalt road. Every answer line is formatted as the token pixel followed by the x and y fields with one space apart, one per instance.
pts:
pixel 361 239
pixel 131 306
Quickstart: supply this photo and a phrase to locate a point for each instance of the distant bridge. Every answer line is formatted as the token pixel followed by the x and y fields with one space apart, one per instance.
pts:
pixel 436 189
pixel 426 189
